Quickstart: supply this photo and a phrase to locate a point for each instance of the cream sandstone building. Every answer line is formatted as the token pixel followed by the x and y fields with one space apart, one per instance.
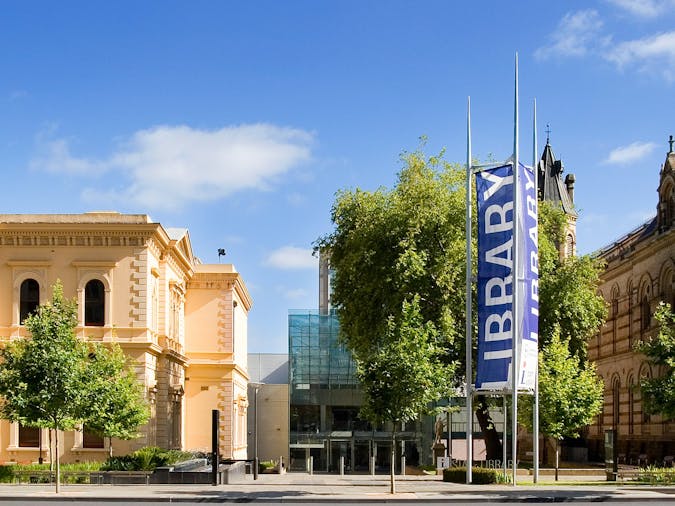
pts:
pixel 139 284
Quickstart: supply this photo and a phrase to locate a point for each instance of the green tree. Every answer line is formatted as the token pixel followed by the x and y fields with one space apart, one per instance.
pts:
pixel 659 393
pixel 391 245
pixel 405 375
pixel 568 298
pixel 570 394
pixel 114 405
pixel 43 379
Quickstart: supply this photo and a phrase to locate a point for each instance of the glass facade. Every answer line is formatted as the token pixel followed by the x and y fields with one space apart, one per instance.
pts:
pixel 325 400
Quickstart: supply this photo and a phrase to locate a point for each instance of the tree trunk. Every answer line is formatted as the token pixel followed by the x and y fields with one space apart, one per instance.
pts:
pixel 51 453
pixel 392 467
pixel 493 445
pixel 110 448
pixel 557 454
pixel 58 460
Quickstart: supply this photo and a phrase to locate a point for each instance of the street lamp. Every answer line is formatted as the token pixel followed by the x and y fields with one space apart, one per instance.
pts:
pixel 256 387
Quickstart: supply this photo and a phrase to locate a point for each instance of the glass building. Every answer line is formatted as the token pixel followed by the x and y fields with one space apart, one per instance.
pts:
pixel 325 400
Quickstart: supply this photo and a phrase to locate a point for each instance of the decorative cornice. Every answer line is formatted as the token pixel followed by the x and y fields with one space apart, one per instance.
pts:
pixel 175 356
pixel 222 281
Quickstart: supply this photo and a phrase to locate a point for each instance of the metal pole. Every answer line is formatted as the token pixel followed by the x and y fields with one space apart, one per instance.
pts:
pixel 448 420
pixel 504 438
pixel 469 392
pixel 255 430
pixel 515 365
pixel 535 411
pixel 215 450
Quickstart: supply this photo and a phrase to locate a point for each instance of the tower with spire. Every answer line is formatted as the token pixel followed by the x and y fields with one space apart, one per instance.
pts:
pixel 665 209
pixel 561 194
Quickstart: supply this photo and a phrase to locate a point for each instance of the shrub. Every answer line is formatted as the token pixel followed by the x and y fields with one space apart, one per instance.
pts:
pixel 480 475
pixel 656 475
pixel 6 474
pixel 146 459
pixel 21 472
pixel 266 466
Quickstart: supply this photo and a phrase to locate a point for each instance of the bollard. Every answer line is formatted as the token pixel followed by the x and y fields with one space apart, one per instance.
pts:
pixel 311 464
pixel 402 465
pixel 281 465
pixel 342 465
pixel 372 466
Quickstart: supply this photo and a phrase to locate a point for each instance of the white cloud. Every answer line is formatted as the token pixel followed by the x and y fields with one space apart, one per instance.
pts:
pixel 54 156
pixel 631 153
pixel 166 167
pixel 655 53
pixel 292 258
pixel 580 33
pixel 577 33
pixel 646 9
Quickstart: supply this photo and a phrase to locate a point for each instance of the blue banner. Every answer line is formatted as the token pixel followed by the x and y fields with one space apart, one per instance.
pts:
pixel 496 321
pixel 529 294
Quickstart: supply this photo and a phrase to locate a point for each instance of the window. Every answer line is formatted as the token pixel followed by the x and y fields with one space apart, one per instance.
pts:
pixel 569 246
pixel 616 401
pixel 29 437
pixel 645 314
pixel 94 303
pixel 615 317
pixel 631 406
pixel 29 298
pixel 91 440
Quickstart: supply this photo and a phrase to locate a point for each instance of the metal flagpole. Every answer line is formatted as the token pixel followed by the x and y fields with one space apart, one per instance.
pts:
pixel 469 390
pixel 535 423
pixel 504 438
pixel 515 366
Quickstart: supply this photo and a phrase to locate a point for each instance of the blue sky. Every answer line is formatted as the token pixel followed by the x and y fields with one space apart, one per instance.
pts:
pixel 240 120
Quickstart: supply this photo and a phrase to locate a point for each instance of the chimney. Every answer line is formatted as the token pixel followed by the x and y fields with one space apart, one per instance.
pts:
pixel 569 183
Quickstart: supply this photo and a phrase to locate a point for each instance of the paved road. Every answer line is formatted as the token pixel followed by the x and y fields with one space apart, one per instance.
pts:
pixel 355 489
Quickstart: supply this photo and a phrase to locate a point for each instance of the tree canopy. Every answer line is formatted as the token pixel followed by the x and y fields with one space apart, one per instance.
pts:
pixel 568 298
pixel 115 404
pixel 43 379
pixel 659 392
pixel 390 246
pixel 403 377
pixel 570 393
pixel 55 380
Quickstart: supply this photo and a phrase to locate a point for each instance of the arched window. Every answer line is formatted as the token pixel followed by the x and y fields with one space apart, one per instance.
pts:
pixel 616 402
pixel 569 246
pixel 631 405
pixel 615 317
pixel 645 313
pixel 29 298
pixel 94 303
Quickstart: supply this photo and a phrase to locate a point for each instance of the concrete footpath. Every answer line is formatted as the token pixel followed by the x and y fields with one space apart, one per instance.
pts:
pixel 297 487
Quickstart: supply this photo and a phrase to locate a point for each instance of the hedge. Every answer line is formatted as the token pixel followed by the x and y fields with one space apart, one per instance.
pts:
pixel 479 475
